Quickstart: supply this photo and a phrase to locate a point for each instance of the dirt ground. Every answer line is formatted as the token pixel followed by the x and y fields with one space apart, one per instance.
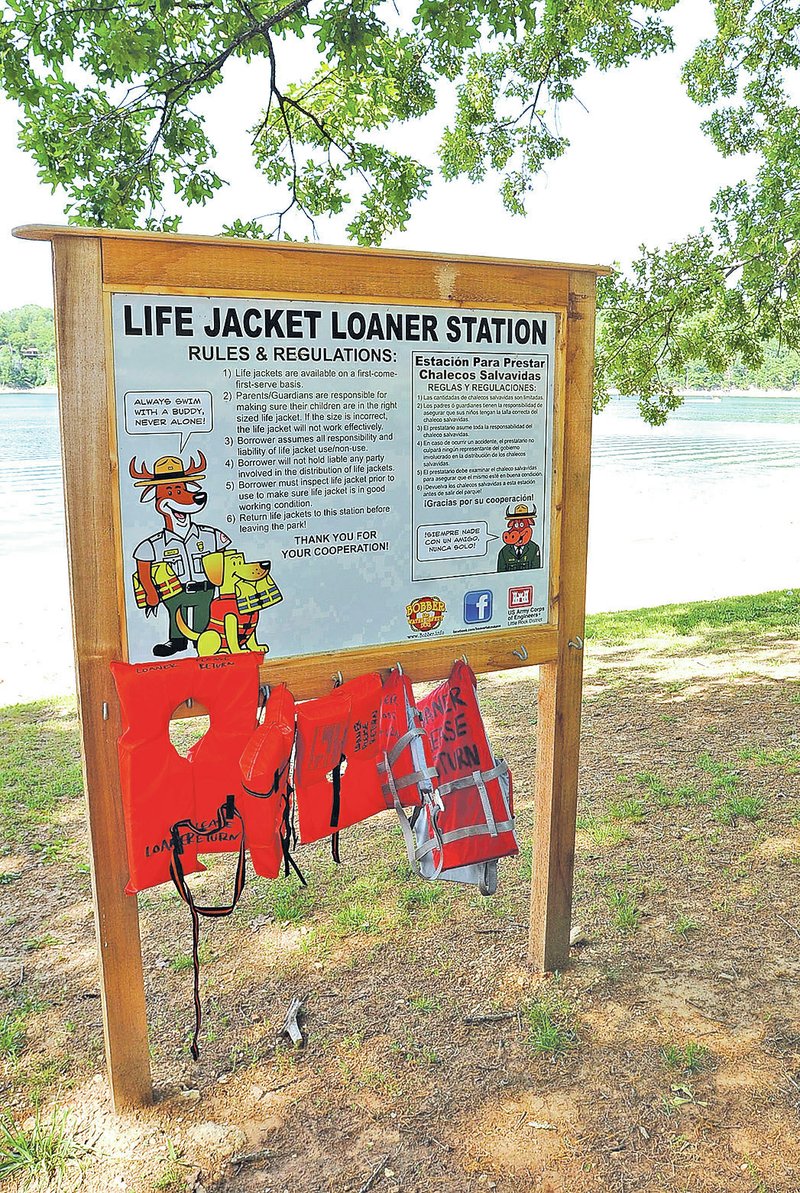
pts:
pixel 674 1058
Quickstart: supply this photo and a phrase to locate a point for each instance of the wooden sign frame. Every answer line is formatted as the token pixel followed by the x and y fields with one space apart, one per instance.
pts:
pixel 90 265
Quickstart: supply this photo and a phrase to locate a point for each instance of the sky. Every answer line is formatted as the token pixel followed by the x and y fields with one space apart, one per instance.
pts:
pixel 639 170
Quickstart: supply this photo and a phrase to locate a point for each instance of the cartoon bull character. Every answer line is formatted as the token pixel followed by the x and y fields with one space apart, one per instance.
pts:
pixel 520 553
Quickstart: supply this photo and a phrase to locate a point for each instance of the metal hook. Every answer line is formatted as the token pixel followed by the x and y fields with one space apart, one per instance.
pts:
pixel 576 643
pixel 105 710
pixel 338 679
pixel 398 668
pixel 521 653
pixel 465 660
pixel 189 701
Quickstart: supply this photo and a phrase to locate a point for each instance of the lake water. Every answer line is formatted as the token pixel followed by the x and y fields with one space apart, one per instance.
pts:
pixel 707 506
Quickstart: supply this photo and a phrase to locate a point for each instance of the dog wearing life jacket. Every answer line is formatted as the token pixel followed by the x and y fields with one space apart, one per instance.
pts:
pixel 243 590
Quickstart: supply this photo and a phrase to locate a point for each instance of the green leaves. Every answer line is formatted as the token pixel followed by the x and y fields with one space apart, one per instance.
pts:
pixel 110 97
pixel 107 94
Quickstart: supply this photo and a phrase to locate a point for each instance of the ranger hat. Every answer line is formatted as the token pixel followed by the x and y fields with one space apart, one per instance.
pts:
pixel 521 511
pixel 170 469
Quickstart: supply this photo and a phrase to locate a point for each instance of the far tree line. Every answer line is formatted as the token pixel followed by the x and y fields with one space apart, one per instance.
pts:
pixel 28 359
pixel 27 348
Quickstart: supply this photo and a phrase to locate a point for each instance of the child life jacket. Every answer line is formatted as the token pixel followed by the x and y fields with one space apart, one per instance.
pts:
pixel 159 787
pixel 471 824
pixel 266 800
pixel 338 746
pixel 166 582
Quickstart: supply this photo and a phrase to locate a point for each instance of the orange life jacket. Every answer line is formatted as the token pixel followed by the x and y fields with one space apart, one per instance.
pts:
pixel 471 821
pixel 359 750
pixel 338 747
pixel 159 787
pixel 266 802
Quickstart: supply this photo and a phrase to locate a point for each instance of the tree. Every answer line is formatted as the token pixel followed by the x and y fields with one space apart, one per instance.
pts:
pixel 109 94
pixel 27 347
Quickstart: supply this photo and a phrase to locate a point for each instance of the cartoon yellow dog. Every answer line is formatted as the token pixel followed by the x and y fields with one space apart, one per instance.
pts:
pixel 244 589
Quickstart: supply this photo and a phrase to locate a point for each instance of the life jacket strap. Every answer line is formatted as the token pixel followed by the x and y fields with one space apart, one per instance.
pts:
pixel 289 836
pixel 385 767
pixel 226 813
pixel 460 834
pixel 479 779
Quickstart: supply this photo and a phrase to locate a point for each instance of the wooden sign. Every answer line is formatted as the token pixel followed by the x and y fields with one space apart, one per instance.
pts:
pixel 394 445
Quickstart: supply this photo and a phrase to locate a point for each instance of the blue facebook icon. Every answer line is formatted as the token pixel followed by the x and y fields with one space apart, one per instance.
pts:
pixel 477 606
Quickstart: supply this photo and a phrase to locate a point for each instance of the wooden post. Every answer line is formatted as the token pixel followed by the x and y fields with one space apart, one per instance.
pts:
pixel 89 483
pixel 561 682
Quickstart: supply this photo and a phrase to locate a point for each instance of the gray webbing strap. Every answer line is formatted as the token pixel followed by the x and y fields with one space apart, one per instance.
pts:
pixel 504 783
pixel 459 834
pixel 401 743
pixel 477 779
pixel 408 832
pixel 416 777
pixel 468 780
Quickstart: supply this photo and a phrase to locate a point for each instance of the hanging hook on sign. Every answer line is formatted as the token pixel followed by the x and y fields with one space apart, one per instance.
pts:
pixel 338 679
pixel 576 643
pixel 465 660
pixel 521 653
pixel 398 668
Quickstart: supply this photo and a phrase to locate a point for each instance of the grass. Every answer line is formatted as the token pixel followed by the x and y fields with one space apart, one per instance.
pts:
pixel 723 777
pixel 722 623
pixel 684 924
pixel 632 809
pixel 183 961
pixel 602 830
pixel 550 1021
pixel 690 1058
pixel 12 1034
pixel 42 1152
pixel 283 900
pixel 40 772
pixel 626 914
pixel 788 758
pixel 739 807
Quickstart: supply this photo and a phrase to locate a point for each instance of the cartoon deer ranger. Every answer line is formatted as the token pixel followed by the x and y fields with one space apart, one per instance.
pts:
pixel 169 568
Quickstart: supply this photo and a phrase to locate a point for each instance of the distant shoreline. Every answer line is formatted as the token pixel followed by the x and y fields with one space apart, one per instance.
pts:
pixel 726 393
pixel 614 393
pixel 35 389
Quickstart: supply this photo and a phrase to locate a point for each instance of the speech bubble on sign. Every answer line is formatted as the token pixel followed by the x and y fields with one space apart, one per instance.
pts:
pixel 453 540
pixel 181 412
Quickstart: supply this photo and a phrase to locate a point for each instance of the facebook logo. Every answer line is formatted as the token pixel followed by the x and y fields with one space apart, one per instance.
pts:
pixel 477 607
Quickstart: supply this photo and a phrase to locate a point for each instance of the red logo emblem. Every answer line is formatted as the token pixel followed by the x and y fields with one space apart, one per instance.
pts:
pixel 521 597
pixel 426 613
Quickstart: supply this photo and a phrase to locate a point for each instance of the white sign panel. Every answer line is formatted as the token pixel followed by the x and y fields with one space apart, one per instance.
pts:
pixel 310 477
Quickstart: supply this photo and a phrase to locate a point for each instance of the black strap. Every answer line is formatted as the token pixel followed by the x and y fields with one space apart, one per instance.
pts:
pixel 336 807
pixel 289 836
pixel 280 771
pixel 226 814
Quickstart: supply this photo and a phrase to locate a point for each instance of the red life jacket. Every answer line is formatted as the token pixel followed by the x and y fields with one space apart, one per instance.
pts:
pixel 338 747
pixel 406 762
pixel 474 822
pixel 159 787
pixel 266 800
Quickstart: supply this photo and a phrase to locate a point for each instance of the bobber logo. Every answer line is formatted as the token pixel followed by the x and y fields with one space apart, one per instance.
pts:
pixel 426 613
